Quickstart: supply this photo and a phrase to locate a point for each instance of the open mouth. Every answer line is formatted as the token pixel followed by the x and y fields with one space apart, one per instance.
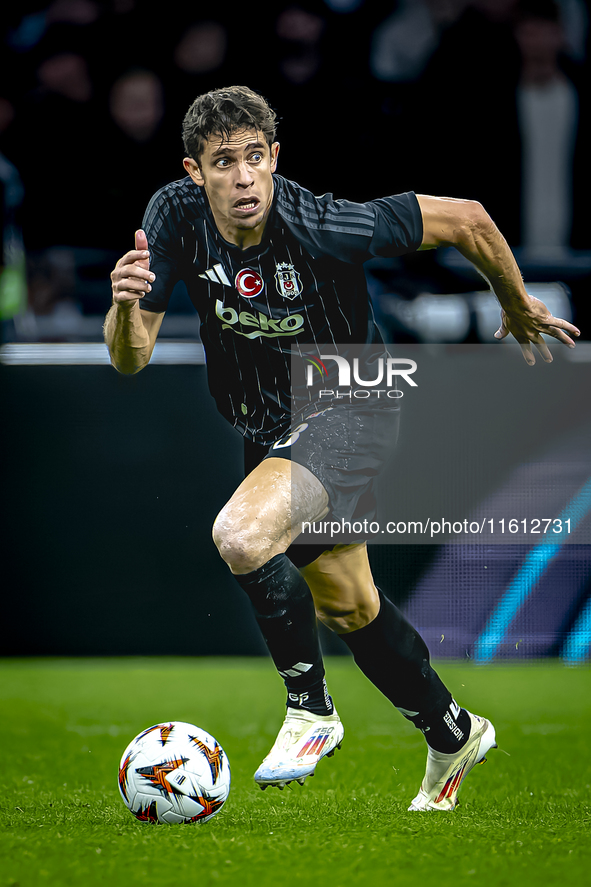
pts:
pixel 247 204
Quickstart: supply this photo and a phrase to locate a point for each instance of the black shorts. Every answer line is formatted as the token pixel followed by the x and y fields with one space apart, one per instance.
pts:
pixel 346 447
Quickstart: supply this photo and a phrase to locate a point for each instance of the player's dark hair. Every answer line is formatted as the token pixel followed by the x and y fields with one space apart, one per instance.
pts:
pixel 223 112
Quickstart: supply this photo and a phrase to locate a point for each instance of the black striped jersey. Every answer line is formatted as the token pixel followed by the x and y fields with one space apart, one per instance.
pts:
pixel 303 285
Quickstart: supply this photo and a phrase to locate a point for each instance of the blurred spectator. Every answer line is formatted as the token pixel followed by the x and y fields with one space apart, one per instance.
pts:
pixel 403 43
pixel 13 286
pixel 137 105
pixel 303 89
pixel 202 48
pixel 199 56
pixel 66 74
pixel 574 15
pixel 548 113
pixel 463 125
pixel 78 12
pixel 495 11
pixel 299 31
pixel 344 5
pixel 6 115
pixel 60 127
pixel 452 133
pixel 60 131
pixel 33 25
pixel 146 153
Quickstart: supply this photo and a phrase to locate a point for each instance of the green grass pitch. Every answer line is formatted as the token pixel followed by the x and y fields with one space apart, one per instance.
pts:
pixel 524 815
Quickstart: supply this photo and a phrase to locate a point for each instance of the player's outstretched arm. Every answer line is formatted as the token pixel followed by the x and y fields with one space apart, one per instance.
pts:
pixel 466 225
pixel 130 332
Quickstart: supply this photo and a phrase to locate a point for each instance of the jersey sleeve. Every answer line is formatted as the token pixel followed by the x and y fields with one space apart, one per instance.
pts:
pixel 164 246
pixel 348 231
pixel 398 225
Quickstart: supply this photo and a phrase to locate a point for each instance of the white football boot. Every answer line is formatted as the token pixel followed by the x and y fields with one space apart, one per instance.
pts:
pixel 303 740
pixel 445 773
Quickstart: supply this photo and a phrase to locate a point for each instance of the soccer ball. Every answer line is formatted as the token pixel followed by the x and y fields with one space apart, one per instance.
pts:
pixel 174 773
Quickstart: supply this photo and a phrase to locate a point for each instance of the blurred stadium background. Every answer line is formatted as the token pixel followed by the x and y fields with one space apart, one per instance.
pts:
pixel 111 484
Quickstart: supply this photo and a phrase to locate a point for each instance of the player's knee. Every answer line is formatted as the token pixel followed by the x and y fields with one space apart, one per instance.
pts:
pixel 240 545
pixel 234 547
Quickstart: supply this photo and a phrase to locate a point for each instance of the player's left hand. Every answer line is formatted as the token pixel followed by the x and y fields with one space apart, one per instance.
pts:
pixel 528 322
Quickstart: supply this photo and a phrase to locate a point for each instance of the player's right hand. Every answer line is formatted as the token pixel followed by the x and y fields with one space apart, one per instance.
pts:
pixel 131 278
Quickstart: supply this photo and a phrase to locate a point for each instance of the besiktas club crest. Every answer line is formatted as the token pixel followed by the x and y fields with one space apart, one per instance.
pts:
pixel 289 284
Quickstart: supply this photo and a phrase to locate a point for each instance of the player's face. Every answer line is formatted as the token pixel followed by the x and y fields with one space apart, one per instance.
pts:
pixel 237 176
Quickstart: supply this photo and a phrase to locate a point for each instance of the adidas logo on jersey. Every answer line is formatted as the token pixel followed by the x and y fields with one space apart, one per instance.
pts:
pixel 216 275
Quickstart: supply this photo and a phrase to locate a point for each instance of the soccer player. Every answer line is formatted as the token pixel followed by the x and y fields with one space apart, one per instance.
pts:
pixel 267 264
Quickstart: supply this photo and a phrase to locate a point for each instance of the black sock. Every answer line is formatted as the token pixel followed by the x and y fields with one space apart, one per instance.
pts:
pixel 393 655
pixel 284 610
